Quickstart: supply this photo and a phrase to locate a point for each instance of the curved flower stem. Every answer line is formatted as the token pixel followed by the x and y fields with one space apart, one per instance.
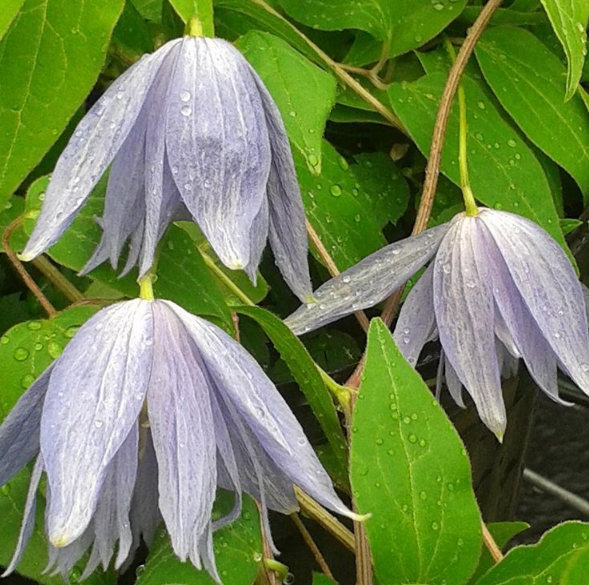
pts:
pixel 319 558
pixel 435 155
pixel 22 271
pixel 343 75
pixel 467 194
pixel 54 275
pixel 331 267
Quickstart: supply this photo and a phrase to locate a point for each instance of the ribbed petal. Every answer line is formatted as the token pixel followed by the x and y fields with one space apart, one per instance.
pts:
pixel 218 143
pixel 183 433
pixel 416 323
pixel 288 233
pixel 368 282
pixel 91 149
pixel 453 383
pixel 145 514
pixel 464 307
pixel 156 199
pixel 258 239
pixel 19 433
pixel 258 475
pixel 124 204
pixel 95 394
pixel 243 383
pixel 28 523
pixel 111 518
pixel 523 330
pixel 549 287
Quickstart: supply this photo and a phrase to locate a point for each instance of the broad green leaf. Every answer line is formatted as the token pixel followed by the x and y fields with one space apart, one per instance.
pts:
pixel 529 81
pixel 409 469
pixel 10 9
pixel 203 9
pixel 502 533
pixel 404 24
pixel 569 225
pixel 502 16
pixel 577 568
pixel 149 9
pixel 569 21
pixel 131 37
pixel 28 348
pixel 182 274
pixel 305 372
pixel 238 551
pixel 12 209
pixel 34 561
pixel 540 563
pixel 339 210
pixel 234 18
pixel 382 180
pixel 291 79
pixel 504 172
pixel 49 61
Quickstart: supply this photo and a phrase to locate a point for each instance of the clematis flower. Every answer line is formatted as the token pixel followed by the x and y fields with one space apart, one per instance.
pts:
pixel 498 288
pixel 146 412
pixel 191 132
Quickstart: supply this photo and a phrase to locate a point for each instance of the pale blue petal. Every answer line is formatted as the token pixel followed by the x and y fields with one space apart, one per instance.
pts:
pixel 28 523
pixel 258 239
pixel 218 144
pixel 91 149
pixel 464 307
pixel 183 434
pixel 416 323
pixel 548 286
pixel 19 433
pixel 288 232
pixel 369 282
pixel 95 394
pixel 244 385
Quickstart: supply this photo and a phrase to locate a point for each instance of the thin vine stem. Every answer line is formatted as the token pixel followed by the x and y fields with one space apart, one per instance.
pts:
pixel 343 75
pixel 311 545
pixel 22 271
pixel 490 544
pixel 55 276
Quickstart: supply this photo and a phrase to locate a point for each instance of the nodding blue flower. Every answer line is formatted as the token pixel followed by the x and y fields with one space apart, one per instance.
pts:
pixel 146 412
pixel 191 132
pixel 498 288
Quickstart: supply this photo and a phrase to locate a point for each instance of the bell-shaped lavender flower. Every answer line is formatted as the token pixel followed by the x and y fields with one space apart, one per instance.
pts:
pixel 191 132
pixel 499 288
pixel 146 412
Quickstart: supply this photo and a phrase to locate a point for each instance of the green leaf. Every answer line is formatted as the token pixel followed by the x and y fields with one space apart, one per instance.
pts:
pixel 203 9
pixel 502 533
pixel 405 24
pixel 238 552
pixel 12 210
pixel 569 225
pixel 569 21
pixel 504 172
pixel 12 505
pixel 291 79
pixel 577 568
pixel 382 180
pixel 305 372
pixel 10 9
pixel 150 9
pixel 131 37
pixel 409 469
pixel 182 274
pixel 321 579
pixel 529 81
pixel 28 349
pixel 49 61
pixel 339 210
pixel 540 563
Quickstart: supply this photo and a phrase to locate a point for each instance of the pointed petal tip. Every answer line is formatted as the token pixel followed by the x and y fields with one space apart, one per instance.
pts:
pixel 310 299
pixel 359 517
pixel 62 540
pixel 26 256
